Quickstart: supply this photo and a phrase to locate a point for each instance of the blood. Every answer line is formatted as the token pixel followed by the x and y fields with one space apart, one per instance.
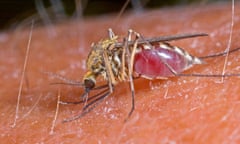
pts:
pixel 155 62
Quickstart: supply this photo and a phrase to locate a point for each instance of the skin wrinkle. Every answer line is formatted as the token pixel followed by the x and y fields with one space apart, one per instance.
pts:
pixel 155 118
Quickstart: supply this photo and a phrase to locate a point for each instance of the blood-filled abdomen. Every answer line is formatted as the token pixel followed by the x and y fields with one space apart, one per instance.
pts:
pixel 158 61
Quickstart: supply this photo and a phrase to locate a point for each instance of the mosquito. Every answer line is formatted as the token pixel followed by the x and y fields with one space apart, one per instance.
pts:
pixel 134 57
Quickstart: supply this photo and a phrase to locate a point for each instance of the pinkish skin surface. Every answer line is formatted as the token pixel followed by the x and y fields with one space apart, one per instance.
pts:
pixel 177 110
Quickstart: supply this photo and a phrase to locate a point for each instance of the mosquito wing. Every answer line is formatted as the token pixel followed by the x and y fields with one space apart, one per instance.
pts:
pixel 163 39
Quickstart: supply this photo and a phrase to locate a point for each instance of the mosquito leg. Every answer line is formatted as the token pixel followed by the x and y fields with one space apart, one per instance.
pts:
pixel 89 107
pixel 207 75
pixel 76 102
pixel 170 68
pixel 100 87
pixel 97 100
pixel 198 75
pixel 99 97
pixel 123 60
pixel 130 60
pixel 110 76
pixel 220 54
pixel 92 97
pixel 202 75
pixel 130 74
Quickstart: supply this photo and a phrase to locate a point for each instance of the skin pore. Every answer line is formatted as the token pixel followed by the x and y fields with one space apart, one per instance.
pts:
pixel 175 110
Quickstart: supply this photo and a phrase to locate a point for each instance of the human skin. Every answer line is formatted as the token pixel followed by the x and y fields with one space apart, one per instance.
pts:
pixel 175 110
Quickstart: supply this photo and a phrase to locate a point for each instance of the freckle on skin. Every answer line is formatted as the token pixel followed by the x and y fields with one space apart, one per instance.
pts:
pixel 195 119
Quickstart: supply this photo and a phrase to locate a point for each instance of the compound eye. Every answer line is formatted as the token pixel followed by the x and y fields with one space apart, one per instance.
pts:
pixel 89 84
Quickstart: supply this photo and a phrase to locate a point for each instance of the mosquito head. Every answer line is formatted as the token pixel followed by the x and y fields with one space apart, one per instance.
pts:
pixel 89 81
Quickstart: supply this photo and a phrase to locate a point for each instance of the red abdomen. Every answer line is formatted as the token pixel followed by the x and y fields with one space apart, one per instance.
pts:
pixel 155 62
